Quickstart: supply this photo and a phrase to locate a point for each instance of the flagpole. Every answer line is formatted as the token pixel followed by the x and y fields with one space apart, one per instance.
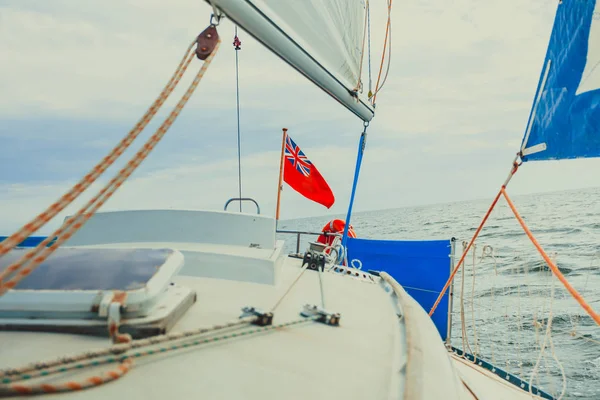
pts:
pixel 280 184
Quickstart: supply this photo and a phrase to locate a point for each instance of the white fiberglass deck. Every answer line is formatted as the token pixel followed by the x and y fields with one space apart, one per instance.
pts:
pixel 313 360
pixel 386 346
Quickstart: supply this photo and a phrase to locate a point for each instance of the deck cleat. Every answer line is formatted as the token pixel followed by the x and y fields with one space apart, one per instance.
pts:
pixel 322 315
pixel 316 261
pixel 263 318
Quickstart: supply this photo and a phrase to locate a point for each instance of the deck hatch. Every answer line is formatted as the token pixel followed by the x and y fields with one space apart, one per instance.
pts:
pixel 92 269
pixel 68 292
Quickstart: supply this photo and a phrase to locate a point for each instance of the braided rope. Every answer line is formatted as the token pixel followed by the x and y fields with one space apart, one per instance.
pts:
pixel 12 389
pixel 559 275
pixel 84 214
pixel 118 349
pixel 69 386
pixel 289 288
pixel 44 217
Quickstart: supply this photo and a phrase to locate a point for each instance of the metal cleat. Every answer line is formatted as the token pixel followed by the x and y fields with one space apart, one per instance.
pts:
pixel 263 318
pixel 322 315
pixel 316 261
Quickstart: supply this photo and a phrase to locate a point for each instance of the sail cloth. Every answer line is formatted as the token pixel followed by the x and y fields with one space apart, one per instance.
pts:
pixel 422 267
pixel 565 118
pixel 322 39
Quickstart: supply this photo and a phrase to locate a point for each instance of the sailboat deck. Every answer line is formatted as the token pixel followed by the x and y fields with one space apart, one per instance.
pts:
pixel 385 347
pixel 358 359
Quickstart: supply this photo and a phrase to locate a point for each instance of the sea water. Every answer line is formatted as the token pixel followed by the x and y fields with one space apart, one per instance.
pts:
pixel 507 317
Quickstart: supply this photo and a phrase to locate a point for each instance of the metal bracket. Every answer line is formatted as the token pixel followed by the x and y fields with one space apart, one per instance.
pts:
pixel 105 304
pixel 322 315
pixel 217 14
pixel 263 318
pixel 240 199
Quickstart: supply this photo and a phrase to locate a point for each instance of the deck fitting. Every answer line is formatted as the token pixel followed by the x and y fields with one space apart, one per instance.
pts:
pixel 316 261
pixel 321 315
pixel 262 318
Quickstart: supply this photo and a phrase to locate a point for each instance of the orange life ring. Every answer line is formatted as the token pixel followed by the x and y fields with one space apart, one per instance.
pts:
pixel 334 226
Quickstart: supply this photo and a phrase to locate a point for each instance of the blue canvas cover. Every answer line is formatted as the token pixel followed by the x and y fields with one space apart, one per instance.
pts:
pixel 565 118
pixel 421 267
pixel 31 241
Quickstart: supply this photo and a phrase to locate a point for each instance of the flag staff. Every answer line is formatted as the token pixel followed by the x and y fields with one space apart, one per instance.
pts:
pixel 280 184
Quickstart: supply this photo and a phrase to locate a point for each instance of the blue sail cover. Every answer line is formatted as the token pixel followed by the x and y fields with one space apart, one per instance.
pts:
pixel 422 267
pixel 565 118
pixel 31 241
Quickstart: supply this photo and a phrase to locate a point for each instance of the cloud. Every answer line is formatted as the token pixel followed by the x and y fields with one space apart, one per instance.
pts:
pixel 74 80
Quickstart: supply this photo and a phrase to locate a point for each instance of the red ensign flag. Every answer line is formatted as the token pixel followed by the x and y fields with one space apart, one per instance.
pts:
pixel 303 176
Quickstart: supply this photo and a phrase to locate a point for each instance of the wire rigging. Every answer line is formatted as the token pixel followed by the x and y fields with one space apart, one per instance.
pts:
pixel 237 45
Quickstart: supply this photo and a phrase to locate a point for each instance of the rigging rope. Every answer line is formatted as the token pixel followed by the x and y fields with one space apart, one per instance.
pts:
pixel 237 47
pixel 121 348
pixel 516 327
pixel 369 49
pixel 513 171
pixel 278 302
pixel 574 293
pixel 122 352
pixel 116 354
pixel 32 259
pixel 320 272
pixel 44 217
pixel 388 34
pixel 578 297
pixel 547 336
pixel 465 337
pixel 362 51
pixel 475 338
pixel 462 258
pixel 488 252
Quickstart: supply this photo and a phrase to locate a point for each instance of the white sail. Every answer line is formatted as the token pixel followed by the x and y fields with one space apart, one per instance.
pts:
pixel 322 39
pixel 590 79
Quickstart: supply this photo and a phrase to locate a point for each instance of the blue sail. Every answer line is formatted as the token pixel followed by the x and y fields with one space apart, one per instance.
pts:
pixel 565 118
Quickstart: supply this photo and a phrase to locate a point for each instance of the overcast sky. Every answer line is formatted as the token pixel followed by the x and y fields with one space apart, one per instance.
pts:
pixel 76 76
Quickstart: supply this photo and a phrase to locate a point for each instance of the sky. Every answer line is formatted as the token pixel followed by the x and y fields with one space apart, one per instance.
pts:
pixel 76 76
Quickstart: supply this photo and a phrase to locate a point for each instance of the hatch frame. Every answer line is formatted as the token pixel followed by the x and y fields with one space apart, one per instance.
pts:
pixel 85 304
